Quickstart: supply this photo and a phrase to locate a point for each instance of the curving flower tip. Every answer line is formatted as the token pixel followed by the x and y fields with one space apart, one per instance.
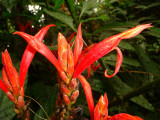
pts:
pixel 106 46
pixel 134 31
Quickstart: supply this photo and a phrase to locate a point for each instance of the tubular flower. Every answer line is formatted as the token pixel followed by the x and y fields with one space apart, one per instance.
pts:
pixel 71 63
pixel 101 112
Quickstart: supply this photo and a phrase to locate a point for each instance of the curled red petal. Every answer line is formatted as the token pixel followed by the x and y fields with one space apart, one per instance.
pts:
pixel 118 65
pixel 29 54
pixel 124 116
pixel 98 51
pixel 106 46
pixel 3 86
pixel 78 46
pixel 88 93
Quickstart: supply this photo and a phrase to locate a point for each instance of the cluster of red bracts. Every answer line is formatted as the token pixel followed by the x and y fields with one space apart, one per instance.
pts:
pixel 70 64
pixel 12 87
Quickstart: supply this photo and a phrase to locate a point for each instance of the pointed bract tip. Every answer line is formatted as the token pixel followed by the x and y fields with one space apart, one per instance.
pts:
pixel 134 31
pixel 60 35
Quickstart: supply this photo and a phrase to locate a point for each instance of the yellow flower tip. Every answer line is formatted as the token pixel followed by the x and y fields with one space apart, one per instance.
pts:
pixel 134 31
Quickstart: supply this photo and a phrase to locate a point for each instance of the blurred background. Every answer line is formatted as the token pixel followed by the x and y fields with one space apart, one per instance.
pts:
pixel 134 90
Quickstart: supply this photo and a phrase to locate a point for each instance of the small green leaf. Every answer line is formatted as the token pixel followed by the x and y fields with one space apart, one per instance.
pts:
pixel 123 89
pixel 126 45
pixel 58 4
pixel 86 6
pixel 6 107
pixel 62 17
pixel 126 60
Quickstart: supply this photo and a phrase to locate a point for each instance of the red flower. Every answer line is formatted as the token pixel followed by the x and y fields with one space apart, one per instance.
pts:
pixel 13 84
pixel 101 112
pixel 66 57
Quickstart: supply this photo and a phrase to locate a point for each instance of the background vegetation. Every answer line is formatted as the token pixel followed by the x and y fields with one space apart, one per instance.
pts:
pixel 134 90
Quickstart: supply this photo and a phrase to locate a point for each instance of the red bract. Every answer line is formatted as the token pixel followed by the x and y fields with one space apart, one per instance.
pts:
pixel 29 54
pixel 101 112
pixel 106 46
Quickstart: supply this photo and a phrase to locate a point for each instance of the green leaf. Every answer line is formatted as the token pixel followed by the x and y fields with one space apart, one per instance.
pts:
pixel 86 6
pixel 126 45
pixel 126 60
pixel 140 100
pixel 148 64
pixel 123 89
pixel 6 107
pixel 102 17
pixel 46 96
pixel 71 6
pixel 62 17
pixel 58 4
pixel 153 32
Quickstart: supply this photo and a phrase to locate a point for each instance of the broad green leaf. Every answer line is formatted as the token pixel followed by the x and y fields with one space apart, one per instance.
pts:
pixel 102 17
pixel 86 6
pixel 155 31
pixel 123 89
pixel 58 4
pixel 126 45
pixel 62 17
pixel 46 96
pixel 6 107
pixel 126 60
pixel 154 4
pixel 71 6
pixel 148 64
pixel 112 25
